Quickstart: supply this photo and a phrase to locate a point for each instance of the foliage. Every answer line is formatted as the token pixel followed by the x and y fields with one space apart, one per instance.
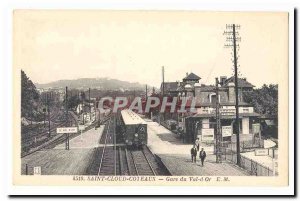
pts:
pixel 264 99
pixel 30 106
pixel 73 102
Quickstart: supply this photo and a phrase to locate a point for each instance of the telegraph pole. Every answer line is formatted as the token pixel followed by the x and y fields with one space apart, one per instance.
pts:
pixel 115 147
pixel 234 38
pixel 82 106
pixel 146 93
pixel 236 99
pixel 67 120
pixel 163 80
pixel 163 87
pixel 90 103
pixel 48 109
pixel 218 129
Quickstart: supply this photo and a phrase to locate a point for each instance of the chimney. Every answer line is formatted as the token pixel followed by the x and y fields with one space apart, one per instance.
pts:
pixel 222 80
pixel 197 90
pixel 187 74
pixel 231 93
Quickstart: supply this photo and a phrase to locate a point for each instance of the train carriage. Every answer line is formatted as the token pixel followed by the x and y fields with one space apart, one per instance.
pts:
pixel 134 128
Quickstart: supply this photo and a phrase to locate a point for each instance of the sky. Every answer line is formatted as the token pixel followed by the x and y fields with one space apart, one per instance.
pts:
pixel 134 45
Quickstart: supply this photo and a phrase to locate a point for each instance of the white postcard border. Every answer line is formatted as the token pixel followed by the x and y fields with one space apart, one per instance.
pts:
pixel 7 79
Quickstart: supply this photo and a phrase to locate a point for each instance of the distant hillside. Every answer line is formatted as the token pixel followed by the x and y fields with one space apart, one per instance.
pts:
pixel 96 83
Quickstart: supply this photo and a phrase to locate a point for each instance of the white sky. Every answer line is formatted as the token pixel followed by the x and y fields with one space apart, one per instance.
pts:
pixel 132 46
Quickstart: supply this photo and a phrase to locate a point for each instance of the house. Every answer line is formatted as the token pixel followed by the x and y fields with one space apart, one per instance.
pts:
pixel 202 122
pixel 177 88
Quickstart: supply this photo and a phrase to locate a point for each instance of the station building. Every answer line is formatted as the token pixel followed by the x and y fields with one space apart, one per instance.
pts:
pixel 202 123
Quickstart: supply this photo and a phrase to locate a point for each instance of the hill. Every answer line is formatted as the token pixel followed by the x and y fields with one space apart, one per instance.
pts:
pixel 94 83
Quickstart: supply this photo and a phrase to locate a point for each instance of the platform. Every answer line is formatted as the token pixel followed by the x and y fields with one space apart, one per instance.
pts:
pixel 266 161
pixel 88 139
pixel 58 161
pixel 176 155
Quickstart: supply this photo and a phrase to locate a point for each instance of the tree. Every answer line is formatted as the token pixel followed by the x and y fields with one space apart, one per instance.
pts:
pixel 29 98
pixel 264 99
pixel 73 102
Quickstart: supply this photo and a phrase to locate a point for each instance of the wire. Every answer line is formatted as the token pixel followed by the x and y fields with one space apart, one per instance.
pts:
pixel 213 67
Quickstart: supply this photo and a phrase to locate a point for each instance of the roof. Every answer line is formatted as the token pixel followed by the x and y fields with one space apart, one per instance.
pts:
pixel 241 103
pixel 130 117
pixel 241 115
pixel 192 76
pixel 207 104
pixel 169 86
pixel 242 82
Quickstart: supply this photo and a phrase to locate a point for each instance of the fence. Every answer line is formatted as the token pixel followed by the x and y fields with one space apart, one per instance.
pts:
pixel 244 145
pixel 249 165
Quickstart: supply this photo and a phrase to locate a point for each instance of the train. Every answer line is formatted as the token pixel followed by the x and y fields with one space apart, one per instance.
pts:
pixel 133 129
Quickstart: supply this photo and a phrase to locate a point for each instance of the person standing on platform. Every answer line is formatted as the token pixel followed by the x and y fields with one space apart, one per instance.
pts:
pixel 202 156
pixel 194 154
pixel 197 144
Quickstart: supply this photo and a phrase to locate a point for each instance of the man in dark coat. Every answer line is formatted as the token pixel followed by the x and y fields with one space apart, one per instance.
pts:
pixel 202 156
pixel 194 154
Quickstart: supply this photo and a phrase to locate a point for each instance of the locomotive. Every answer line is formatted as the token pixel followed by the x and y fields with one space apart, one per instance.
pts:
pixel 133 129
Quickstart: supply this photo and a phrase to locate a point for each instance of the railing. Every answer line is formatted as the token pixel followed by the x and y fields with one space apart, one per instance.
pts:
pixel 253 167
pixel 245 145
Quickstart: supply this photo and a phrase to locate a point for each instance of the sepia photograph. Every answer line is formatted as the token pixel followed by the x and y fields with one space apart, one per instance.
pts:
pixel 107 97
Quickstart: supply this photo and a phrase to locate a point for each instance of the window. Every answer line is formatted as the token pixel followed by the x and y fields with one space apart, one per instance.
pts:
pixel 213 98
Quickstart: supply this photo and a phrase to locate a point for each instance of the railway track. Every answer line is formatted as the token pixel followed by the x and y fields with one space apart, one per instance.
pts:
pixel 108 161
pixel 26 138
pixel 43 136
pixel 122 161
pixel 47 145
pixel 141 163
pixel 113 159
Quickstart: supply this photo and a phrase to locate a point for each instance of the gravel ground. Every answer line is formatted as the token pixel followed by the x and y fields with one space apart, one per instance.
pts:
pixel 88 139
pixel 59 161
pixel 176 155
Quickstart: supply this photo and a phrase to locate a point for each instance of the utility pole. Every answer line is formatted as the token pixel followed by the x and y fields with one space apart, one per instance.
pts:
pixel 67 120
pixel 95 109
pixel 44 111
pixel 163 87
pixel 45 108
pixel 48 109
pixel 234 38
pixel 115 147
pixel 90 101
pixel 218 124
pixel 146 93
pixel 82 107
pixel 163 80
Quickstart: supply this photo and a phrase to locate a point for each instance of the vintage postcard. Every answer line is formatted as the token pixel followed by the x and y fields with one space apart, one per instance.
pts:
pixel 160 98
